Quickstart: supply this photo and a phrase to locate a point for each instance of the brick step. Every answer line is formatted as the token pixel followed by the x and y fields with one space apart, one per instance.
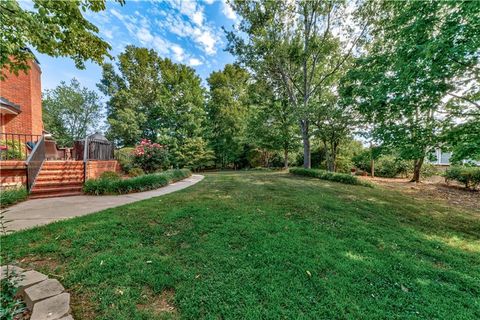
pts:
pixel 59 184
pixel 60 178
pixel 59 172
pixel 54 195
pixel 62 168
pixel 56 188
pixel 63 163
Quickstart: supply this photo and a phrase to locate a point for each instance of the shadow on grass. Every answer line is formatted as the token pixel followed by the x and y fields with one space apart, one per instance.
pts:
pixel 266 245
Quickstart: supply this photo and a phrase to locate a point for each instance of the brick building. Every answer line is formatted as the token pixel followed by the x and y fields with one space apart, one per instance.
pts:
pixel 21 102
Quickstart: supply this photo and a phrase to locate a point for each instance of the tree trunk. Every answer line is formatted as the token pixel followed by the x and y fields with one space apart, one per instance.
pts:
pixel 417 166
pixel 372 168
pixel 306 145
pixel 285 153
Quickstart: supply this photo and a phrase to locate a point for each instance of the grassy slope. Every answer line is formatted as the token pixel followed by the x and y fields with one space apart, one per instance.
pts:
pixel 242 245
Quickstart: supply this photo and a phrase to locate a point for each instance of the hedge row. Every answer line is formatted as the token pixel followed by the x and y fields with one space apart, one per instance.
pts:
pixel 111 185
pixel 469 176
pixel 9 197
pixel 331 176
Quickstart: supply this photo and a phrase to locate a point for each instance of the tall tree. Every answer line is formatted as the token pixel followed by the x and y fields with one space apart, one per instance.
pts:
pixel 55 28
pixel 153 98
pixel 335 124
pixel 227 111
pixel 296 42
pixel 417 53
pixel 71 111
pixel 272 124
pixel 135 95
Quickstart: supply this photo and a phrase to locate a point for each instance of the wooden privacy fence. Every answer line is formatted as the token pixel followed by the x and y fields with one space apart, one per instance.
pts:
pixel 96 150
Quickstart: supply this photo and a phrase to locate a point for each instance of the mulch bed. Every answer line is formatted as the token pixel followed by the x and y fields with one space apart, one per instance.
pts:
pixel 434 188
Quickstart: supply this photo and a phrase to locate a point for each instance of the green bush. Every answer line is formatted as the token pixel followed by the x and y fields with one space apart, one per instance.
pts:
pixel 469 176
pixel 427 170
pixel 331 176
pixel 11 306
pixel 15 150
pixel 125 157
pixel 110 175
pixel 150 156
pixel 136 184
pixel 389 166
pixel 136 172
pixel 9 197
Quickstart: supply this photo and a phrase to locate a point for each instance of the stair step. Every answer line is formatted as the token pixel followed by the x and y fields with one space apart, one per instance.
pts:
pixel 56 189
pixel 59 172
pixel 54 195
pixel 59 184
pixel 60 178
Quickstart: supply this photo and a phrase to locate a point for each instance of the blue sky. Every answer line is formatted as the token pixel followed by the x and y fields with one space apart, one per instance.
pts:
pixel 186 31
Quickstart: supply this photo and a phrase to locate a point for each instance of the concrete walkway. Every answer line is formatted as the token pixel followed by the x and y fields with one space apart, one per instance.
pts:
pixel 38 212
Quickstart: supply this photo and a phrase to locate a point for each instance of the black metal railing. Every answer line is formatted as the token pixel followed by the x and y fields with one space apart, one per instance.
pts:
pixel 17 146
pixel 34 162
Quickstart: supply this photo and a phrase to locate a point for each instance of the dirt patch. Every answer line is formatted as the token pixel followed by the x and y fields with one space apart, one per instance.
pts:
pixel 435 189
pixel 82 304
pixel 159 304
pixel 46 265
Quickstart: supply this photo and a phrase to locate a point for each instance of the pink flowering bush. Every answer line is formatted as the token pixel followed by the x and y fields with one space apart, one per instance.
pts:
pixel 150 156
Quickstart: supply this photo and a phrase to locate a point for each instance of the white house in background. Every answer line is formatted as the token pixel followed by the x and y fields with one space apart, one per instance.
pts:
pixel 443 158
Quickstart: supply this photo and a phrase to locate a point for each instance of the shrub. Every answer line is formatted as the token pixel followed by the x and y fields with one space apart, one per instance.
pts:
pixel 110 175
pixel 12 150
pixel 9 197
pixel 135 184
pixel 427 170
pixel 125 157
pixel 469 176
pixel 11 306
pixel 388 166
pixel 331 176
pixel 135 172
pixel 150 156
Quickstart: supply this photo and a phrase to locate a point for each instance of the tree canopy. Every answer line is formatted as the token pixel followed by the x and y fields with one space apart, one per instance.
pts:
pixel 70 112
pixel 153 98
pixel 55 28
pixel 417 54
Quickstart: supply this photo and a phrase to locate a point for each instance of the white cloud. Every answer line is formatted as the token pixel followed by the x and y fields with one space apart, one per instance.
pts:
pixel 228 11
pixel 178 53
pixel 186 19
pixel 161 45
pixel 144 35
pixel 209 1
pixel 195 62
pixel 197 18
pixel 207 40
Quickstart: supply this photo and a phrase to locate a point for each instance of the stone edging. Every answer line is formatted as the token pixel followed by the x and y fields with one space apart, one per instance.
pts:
pixel 45 297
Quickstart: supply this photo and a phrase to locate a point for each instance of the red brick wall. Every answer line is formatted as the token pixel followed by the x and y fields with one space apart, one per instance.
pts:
pixel 12 173
pixel 96 167
pixel 26 91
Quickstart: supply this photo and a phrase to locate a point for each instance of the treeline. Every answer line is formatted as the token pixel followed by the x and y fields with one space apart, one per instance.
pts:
pixel 311 79
pixel 235 122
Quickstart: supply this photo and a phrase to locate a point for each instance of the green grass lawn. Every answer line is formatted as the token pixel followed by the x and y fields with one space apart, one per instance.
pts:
pixel 264 246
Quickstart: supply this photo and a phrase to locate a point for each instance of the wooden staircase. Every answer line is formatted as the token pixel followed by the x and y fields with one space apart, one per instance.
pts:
pixel 58 179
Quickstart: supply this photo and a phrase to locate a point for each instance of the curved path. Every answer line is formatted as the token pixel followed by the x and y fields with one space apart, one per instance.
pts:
pixel 37 212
